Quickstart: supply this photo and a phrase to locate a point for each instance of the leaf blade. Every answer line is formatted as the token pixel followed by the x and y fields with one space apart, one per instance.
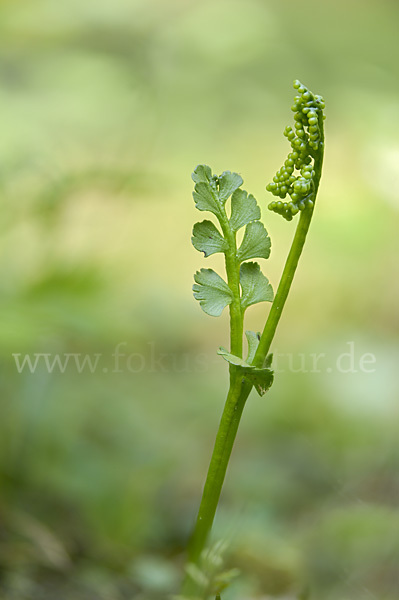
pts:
pixel 207 239
pixel 205 198
pixel 202 173
pixel 212 292
pixel 256 242
pixel 261 379
pixel 253 340
pixel 244 209
pixel 255 286
pixel 232 359
pixel 228 183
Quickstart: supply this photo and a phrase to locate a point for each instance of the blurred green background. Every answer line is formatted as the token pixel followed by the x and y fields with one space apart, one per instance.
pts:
pixel 106 108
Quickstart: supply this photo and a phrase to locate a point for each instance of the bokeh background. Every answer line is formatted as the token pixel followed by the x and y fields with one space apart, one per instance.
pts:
pixel 106 108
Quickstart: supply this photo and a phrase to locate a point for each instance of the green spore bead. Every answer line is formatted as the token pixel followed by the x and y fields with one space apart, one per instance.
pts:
pixel 297 186
pixel 288 132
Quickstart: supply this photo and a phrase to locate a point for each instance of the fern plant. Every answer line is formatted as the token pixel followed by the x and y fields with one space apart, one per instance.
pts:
pixel 299 179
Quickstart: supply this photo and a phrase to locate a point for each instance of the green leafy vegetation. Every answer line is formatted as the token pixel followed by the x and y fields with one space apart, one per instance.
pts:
pixel 211 193
pixel 246 285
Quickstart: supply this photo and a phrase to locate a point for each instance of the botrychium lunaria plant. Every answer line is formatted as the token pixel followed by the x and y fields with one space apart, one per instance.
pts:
pixel 299 179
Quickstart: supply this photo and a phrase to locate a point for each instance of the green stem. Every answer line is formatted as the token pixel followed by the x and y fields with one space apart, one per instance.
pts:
pixel 233 280
pixel 217 469
pixel 283 288
pixel 233 409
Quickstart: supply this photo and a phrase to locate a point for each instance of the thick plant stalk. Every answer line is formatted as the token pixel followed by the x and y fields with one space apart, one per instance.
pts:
pixel 217 469
pixel 303 191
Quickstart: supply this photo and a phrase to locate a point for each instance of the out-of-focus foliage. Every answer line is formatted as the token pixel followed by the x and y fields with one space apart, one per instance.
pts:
pixel 106 107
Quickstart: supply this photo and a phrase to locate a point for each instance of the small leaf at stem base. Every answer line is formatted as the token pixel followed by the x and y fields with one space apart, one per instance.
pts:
pixel 261 379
